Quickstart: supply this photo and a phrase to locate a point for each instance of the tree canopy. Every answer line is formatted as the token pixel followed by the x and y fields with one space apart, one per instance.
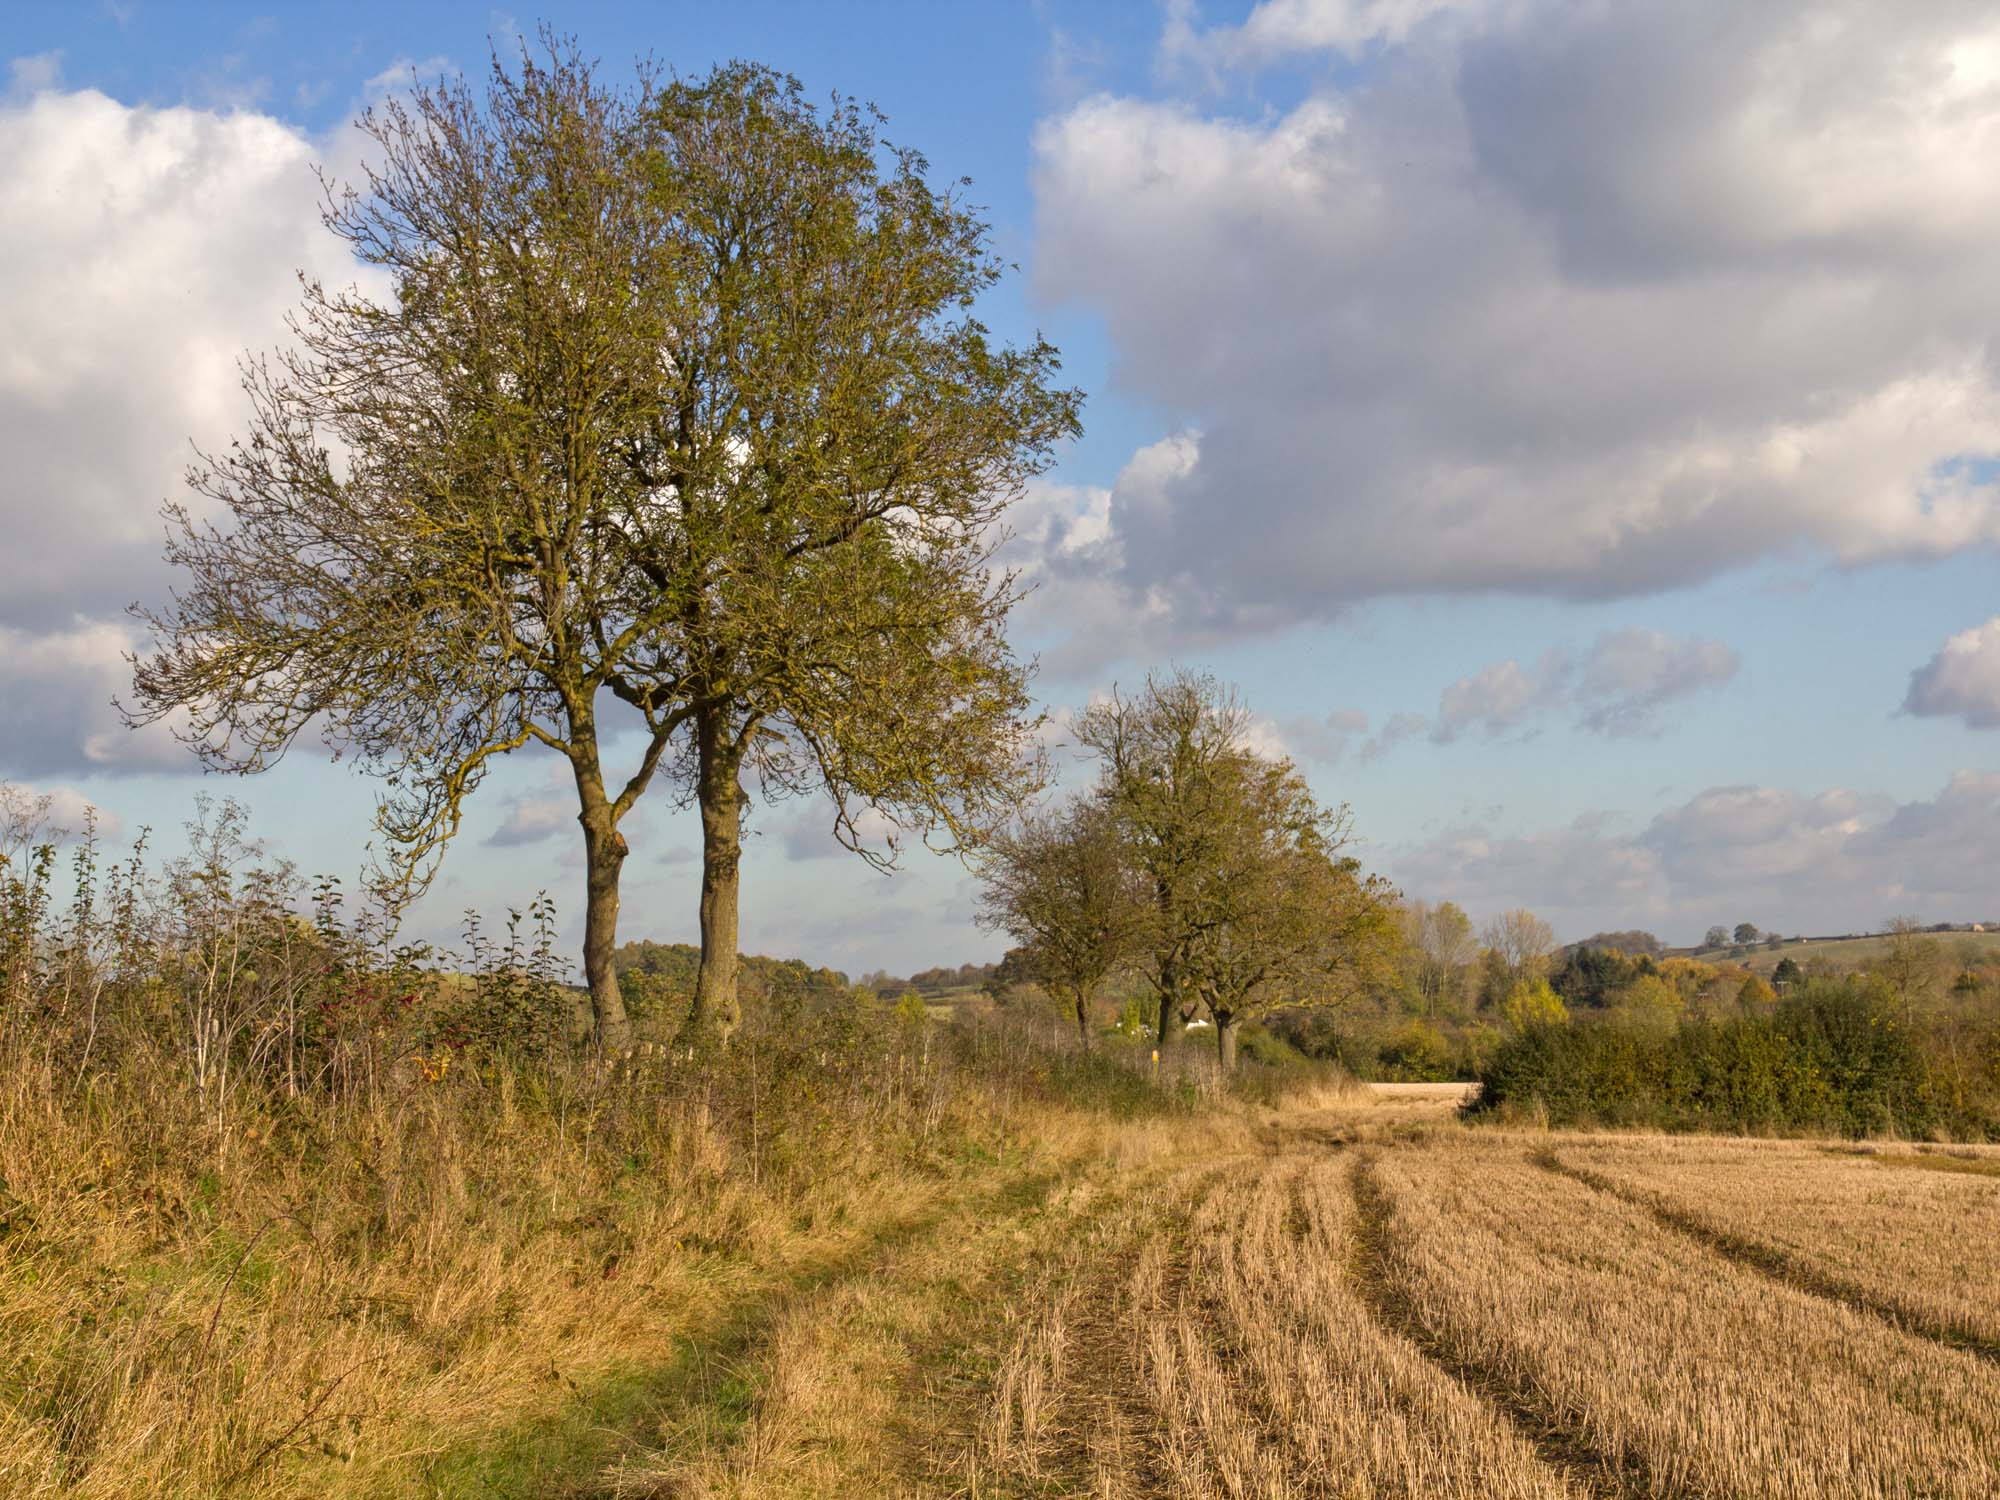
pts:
pixel 675 427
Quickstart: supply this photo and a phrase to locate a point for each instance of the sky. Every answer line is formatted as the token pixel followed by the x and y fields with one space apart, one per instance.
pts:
pixel 1575 429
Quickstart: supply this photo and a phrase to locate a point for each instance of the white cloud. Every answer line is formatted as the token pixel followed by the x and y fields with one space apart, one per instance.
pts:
pixel 1832 861
pixel 1963 680
pixel 146 251
pixel 1277 28
pixel 34 74
pixel 1585 301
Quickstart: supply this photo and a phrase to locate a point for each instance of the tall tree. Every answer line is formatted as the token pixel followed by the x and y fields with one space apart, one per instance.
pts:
pixel 1523 942
pixel 1059 882
pixel 432 555
pixel 841 440
pixel 675 422
pixel 1172 756
pixel 1440 941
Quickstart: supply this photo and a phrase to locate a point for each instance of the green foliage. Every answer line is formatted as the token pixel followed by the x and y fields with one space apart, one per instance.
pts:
pixel 1830 1058
pixel 1389 1049
pixel 1532 1006
pixel 1419 1052
pixel 1588 975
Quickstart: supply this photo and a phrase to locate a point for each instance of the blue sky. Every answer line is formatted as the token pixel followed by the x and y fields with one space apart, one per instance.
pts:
pixel 1575 434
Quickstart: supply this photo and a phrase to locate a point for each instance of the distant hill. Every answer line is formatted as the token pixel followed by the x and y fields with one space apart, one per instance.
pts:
pixel 1847 952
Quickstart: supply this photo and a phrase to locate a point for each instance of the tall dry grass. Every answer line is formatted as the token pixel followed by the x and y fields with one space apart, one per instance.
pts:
pixel 346 1298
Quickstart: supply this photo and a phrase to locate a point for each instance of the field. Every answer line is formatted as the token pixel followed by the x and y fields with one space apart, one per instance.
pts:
pixel 1351 1295
pixel 1964 948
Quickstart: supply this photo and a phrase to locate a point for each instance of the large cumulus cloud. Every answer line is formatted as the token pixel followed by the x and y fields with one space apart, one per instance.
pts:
pixel 146 250
pixel 1962 681
pixel 1584 301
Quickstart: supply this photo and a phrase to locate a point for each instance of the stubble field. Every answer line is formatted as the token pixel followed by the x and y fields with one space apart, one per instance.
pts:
pixel 1452 1313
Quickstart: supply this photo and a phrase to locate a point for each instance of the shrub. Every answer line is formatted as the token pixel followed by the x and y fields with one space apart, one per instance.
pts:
pixel 1832 1058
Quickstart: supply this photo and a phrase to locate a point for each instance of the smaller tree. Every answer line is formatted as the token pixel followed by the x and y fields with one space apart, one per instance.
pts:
pixel 1523 942
pixel 1061 885
pixel 1531 1004
pixel 1171 758
pixel 1716 937
pixel 1915 961
pixel 1283 918
pixel 1441 946
pixel 1787 972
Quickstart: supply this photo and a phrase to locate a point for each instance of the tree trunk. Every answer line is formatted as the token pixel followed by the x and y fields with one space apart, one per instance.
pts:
pixel 604 852
pixel 1169 987
pixel 1083 1019
pixel 720 794
pixel 1225 1040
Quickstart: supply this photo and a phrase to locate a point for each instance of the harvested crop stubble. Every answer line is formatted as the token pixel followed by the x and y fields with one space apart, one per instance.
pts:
pixel 1241 1361
pixel 1063 1414
pixel 1923 1245
pixel 1352 1408
pixel 1669 1359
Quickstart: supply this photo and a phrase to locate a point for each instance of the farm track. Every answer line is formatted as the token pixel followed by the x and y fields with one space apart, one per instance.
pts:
pixel 1559 1446
pixel 1767 1260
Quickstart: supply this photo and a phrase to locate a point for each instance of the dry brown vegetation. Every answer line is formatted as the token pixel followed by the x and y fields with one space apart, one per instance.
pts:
pixel 1924 1245
pixel 1685 1371
pixel 1341 1297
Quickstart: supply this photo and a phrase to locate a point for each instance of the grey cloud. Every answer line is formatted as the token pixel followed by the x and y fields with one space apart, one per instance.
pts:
pixel 1574 301
pixel 1631 673
pixel 1837 860
pixel 1962 681
pixel 58 689
pixel 1616 688
pixel 1325 739
pixel 1500 698
pixel 529 820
